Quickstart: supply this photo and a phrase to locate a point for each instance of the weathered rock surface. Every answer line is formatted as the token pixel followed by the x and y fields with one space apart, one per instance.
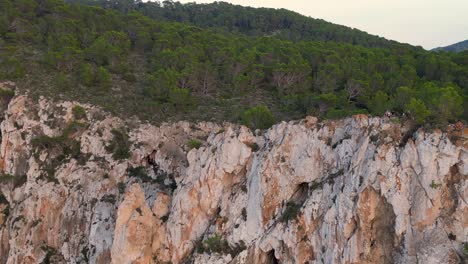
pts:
pixel 358 190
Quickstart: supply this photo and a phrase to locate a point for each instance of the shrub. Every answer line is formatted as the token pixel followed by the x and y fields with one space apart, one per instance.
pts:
pixel 435 185
pixel 121 186
pixel 109 48
pixel 291 212
pixel 215 244
pixel 61 81
pixel 108 198
pixel 86 74
pixel 181 98
pixel 336 113
pixel 129 77
pixel 11 68
pixel 45 142
pixel 17 181
pixel 79 112
pixel 253 146
pixel 139 172
pixel 120 145
pixel 258 117
pixel 73 149
pixel 194 144
pixel 64 147
pixel 7 94
pixel 103 78
pixel 72 128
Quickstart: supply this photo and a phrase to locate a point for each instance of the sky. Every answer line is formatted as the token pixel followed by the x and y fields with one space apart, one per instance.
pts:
pixel 426 23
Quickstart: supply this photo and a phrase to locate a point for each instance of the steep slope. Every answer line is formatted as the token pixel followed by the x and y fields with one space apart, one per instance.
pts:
pixel 160 71
pixel 280 23
pixel 76 189
pixel 457 47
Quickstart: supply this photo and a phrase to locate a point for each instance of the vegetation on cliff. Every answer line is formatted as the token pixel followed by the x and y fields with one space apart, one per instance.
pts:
pixel 137 63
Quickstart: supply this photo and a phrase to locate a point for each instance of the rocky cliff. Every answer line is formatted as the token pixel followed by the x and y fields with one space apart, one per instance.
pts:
pixel 80 186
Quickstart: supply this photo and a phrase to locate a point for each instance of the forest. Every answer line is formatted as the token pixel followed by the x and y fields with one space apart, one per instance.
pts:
pixel 168 61
pixel 222 16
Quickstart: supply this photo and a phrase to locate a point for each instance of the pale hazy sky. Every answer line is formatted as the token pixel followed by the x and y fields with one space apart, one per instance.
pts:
pixel 428 23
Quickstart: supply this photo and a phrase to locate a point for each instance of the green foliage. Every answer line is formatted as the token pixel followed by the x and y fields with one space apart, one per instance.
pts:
pixel 79 112
pixel 403 96
pixel 95 76
pixel 11 68
pixel 181 98
pixel 109 49
pixel 140 173
pixel 291 212
pixel 87 74
pixel 121 186
pixel 62 82
pixel 64 59
pixel 72 128
pixel 253 146
pixel 280 23
pixel 258 117
pixel 60 149
pixel 120 144
pixel 418 110
pixel 380 103
pixel 16 181
pixel 103 78
pixel 194 144
pixel 7 94
pixel 160 70
pixel 216 244
pixel 447 105
pixel 433 104
pixel 434 185
pixel 45 142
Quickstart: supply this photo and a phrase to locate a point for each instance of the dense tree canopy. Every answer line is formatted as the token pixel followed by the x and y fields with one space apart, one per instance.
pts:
pixel 222 16
pixel 132 64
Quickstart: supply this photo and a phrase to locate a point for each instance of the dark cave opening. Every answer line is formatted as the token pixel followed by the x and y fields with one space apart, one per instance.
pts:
pixel 271 259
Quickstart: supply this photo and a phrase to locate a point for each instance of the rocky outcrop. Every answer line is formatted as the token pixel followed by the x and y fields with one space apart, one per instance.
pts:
pixel 98 189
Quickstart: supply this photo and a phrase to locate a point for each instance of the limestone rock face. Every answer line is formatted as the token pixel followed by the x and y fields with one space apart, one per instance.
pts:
pixel 133 229
pixel 104 190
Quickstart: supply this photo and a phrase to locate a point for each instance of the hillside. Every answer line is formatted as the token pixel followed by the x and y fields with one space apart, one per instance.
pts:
pixel 162 71
pixel 457 47
pixel 129 137
pixel 222 16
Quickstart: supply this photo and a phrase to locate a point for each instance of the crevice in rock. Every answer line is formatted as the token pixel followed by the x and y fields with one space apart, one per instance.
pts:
pixel 450 193
pixel 301 194
pixel 422 187
pixel 52 256
pixel 407 136
pixel 376 223
pixel 270 258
